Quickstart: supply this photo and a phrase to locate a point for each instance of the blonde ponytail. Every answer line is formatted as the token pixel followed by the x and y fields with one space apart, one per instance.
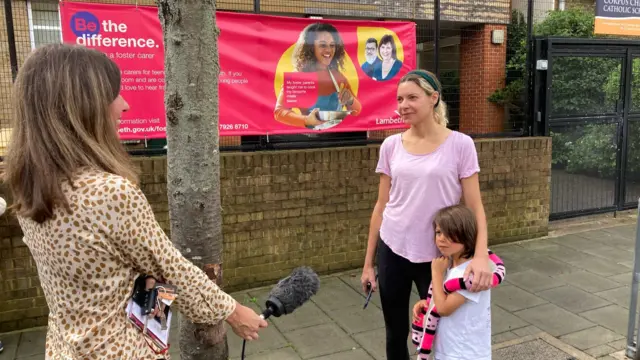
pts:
pixel 441 113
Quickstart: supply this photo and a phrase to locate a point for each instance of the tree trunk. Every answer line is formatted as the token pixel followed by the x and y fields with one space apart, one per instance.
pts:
pixel 193 161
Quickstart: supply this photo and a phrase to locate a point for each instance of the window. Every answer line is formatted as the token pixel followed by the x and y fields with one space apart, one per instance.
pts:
pixel 44 23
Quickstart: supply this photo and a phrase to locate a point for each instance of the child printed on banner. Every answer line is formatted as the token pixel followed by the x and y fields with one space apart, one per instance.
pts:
pixel 463 318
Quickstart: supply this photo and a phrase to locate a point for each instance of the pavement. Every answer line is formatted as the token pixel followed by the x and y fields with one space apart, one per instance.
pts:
pixel 564 297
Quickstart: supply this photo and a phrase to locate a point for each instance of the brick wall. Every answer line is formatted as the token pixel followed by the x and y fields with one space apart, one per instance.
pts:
pixel 482 67
pixel 288 208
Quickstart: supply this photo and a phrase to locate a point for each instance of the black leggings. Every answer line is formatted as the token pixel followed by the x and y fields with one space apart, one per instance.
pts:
pixel 395 277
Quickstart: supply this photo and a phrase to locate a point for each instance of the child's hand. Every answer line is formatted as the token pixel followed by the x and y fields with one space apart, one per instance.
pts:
pixel 440 265
pixel 417 308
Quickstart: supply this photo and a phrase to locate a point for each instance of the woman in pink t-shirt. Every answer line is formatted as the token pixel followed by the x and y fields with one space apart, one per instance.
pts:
pixel 422 170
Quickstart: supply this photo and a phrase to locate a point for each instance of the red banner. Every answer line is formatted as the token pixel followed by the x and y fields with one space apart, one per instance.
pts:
pixel 278 75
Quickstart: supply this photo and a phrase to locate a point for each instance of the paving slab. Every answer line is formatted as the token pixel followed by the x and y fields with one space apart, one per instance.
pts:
pixel 613 317
pixel 10 343
pixel 622 279
pixel 336 294
pixel 620 296
pixel 353 280
pixel 527 330
pixel 532 281
pixel 320 340
pixel 355 320
pixel 535 347
pixel 628 264
pixel 356 354
pixel 610 237
pixel 502 320
pixel 614 254
pixel 600 266
pixel 573 299
pixel 580 242
pixel 512 298
pixel 554 319
pixel 531 350
pixel 591 337
pixel 619 344
pixel 280 354
pixel 590 282
pixel 600 350
pixel 373 343
pixel 505 336
pixel 515 252
pixel 622 232
pixel 548 266
pixel 31 343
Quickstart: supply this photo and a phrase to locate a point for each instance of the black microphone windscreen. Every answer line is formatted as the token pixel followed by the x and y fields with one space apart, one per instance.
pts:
pixel 296 289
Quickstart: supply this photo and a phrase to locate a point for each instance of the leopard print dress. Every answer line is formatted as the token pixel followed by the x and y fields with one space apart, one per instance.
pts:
pixel 88 260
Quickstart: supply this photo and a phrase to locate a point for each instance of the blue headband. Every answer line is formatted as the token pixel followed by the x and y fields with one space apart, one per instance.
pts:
pixel 430 80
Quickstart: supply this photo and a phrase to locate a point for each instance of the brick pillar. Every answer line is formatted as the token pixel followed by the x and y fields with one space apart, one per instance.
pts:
pixel 482 71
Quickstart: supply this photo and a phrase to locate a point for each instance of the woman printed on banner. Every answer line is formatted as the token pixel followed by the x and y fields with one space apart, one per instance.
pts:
pixel 390 64
pixel 320 49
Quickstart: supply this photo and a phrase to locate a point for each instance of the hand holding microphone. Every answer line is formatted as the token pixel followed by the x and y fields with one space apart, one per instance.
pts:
pixel 246 323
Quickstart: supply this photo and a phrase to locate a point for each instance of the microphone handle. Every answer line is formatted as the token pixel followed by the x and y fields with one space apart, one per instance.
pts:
pixel 267 313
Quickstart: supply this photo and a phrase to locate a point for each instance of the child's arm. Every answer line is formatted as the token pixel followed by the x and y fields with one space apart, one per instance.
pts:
pixel 445 304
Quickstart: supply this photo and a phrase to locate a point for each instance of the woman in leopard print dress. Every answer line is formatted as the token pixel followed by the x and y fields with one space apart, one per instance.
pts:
pixel 88 226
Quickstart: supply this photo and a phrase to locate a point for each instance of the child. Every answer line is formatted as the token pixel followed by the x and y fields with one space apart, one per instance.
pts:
pixel 464 324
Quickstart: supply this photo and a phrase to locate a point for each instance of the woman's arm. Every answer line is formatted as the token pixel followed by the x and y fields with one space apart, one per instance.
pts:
pixel 376 218
pixel 445 304
pixel 348 97
pixel 285 115
pixel 355 106
pixel 145 248
pixel 479 266
pixel 374 229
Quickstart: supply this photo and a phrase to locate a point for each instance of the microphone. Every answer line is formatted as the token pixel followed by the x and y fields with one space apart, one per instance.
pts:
pixel 289 294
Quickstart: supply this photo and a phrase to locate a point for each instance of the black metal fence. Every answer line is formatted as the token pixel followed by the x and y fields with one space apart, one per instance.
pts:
pixel 595 158
pixel 477 48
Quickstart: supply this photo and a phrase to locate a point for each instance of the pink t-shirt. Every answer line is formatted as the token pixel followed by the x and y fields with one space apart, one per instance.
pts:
pixel 420 186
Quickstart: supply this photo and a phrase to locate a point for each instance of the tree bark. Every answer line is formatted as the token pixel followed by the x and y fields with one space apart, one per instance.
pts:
pixel 193 161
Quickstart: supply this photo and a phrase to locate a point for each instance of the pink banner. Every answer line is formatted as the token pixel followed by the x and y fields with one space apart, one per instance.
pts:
pixel 278 75
pixel 132 37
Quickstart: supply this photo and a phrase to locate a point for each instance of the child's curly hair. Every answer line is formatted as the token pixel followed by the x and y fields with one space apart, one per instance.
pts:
pixel 304 58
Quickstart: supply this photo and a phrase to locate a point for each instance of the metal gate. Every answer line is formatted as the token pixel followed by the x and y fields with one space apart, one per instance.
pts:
pixel 586 96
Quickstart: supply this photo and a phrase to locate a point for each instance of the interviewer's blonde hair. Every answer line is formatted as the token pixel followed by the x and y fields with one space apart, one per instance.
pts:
pixel 62 122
